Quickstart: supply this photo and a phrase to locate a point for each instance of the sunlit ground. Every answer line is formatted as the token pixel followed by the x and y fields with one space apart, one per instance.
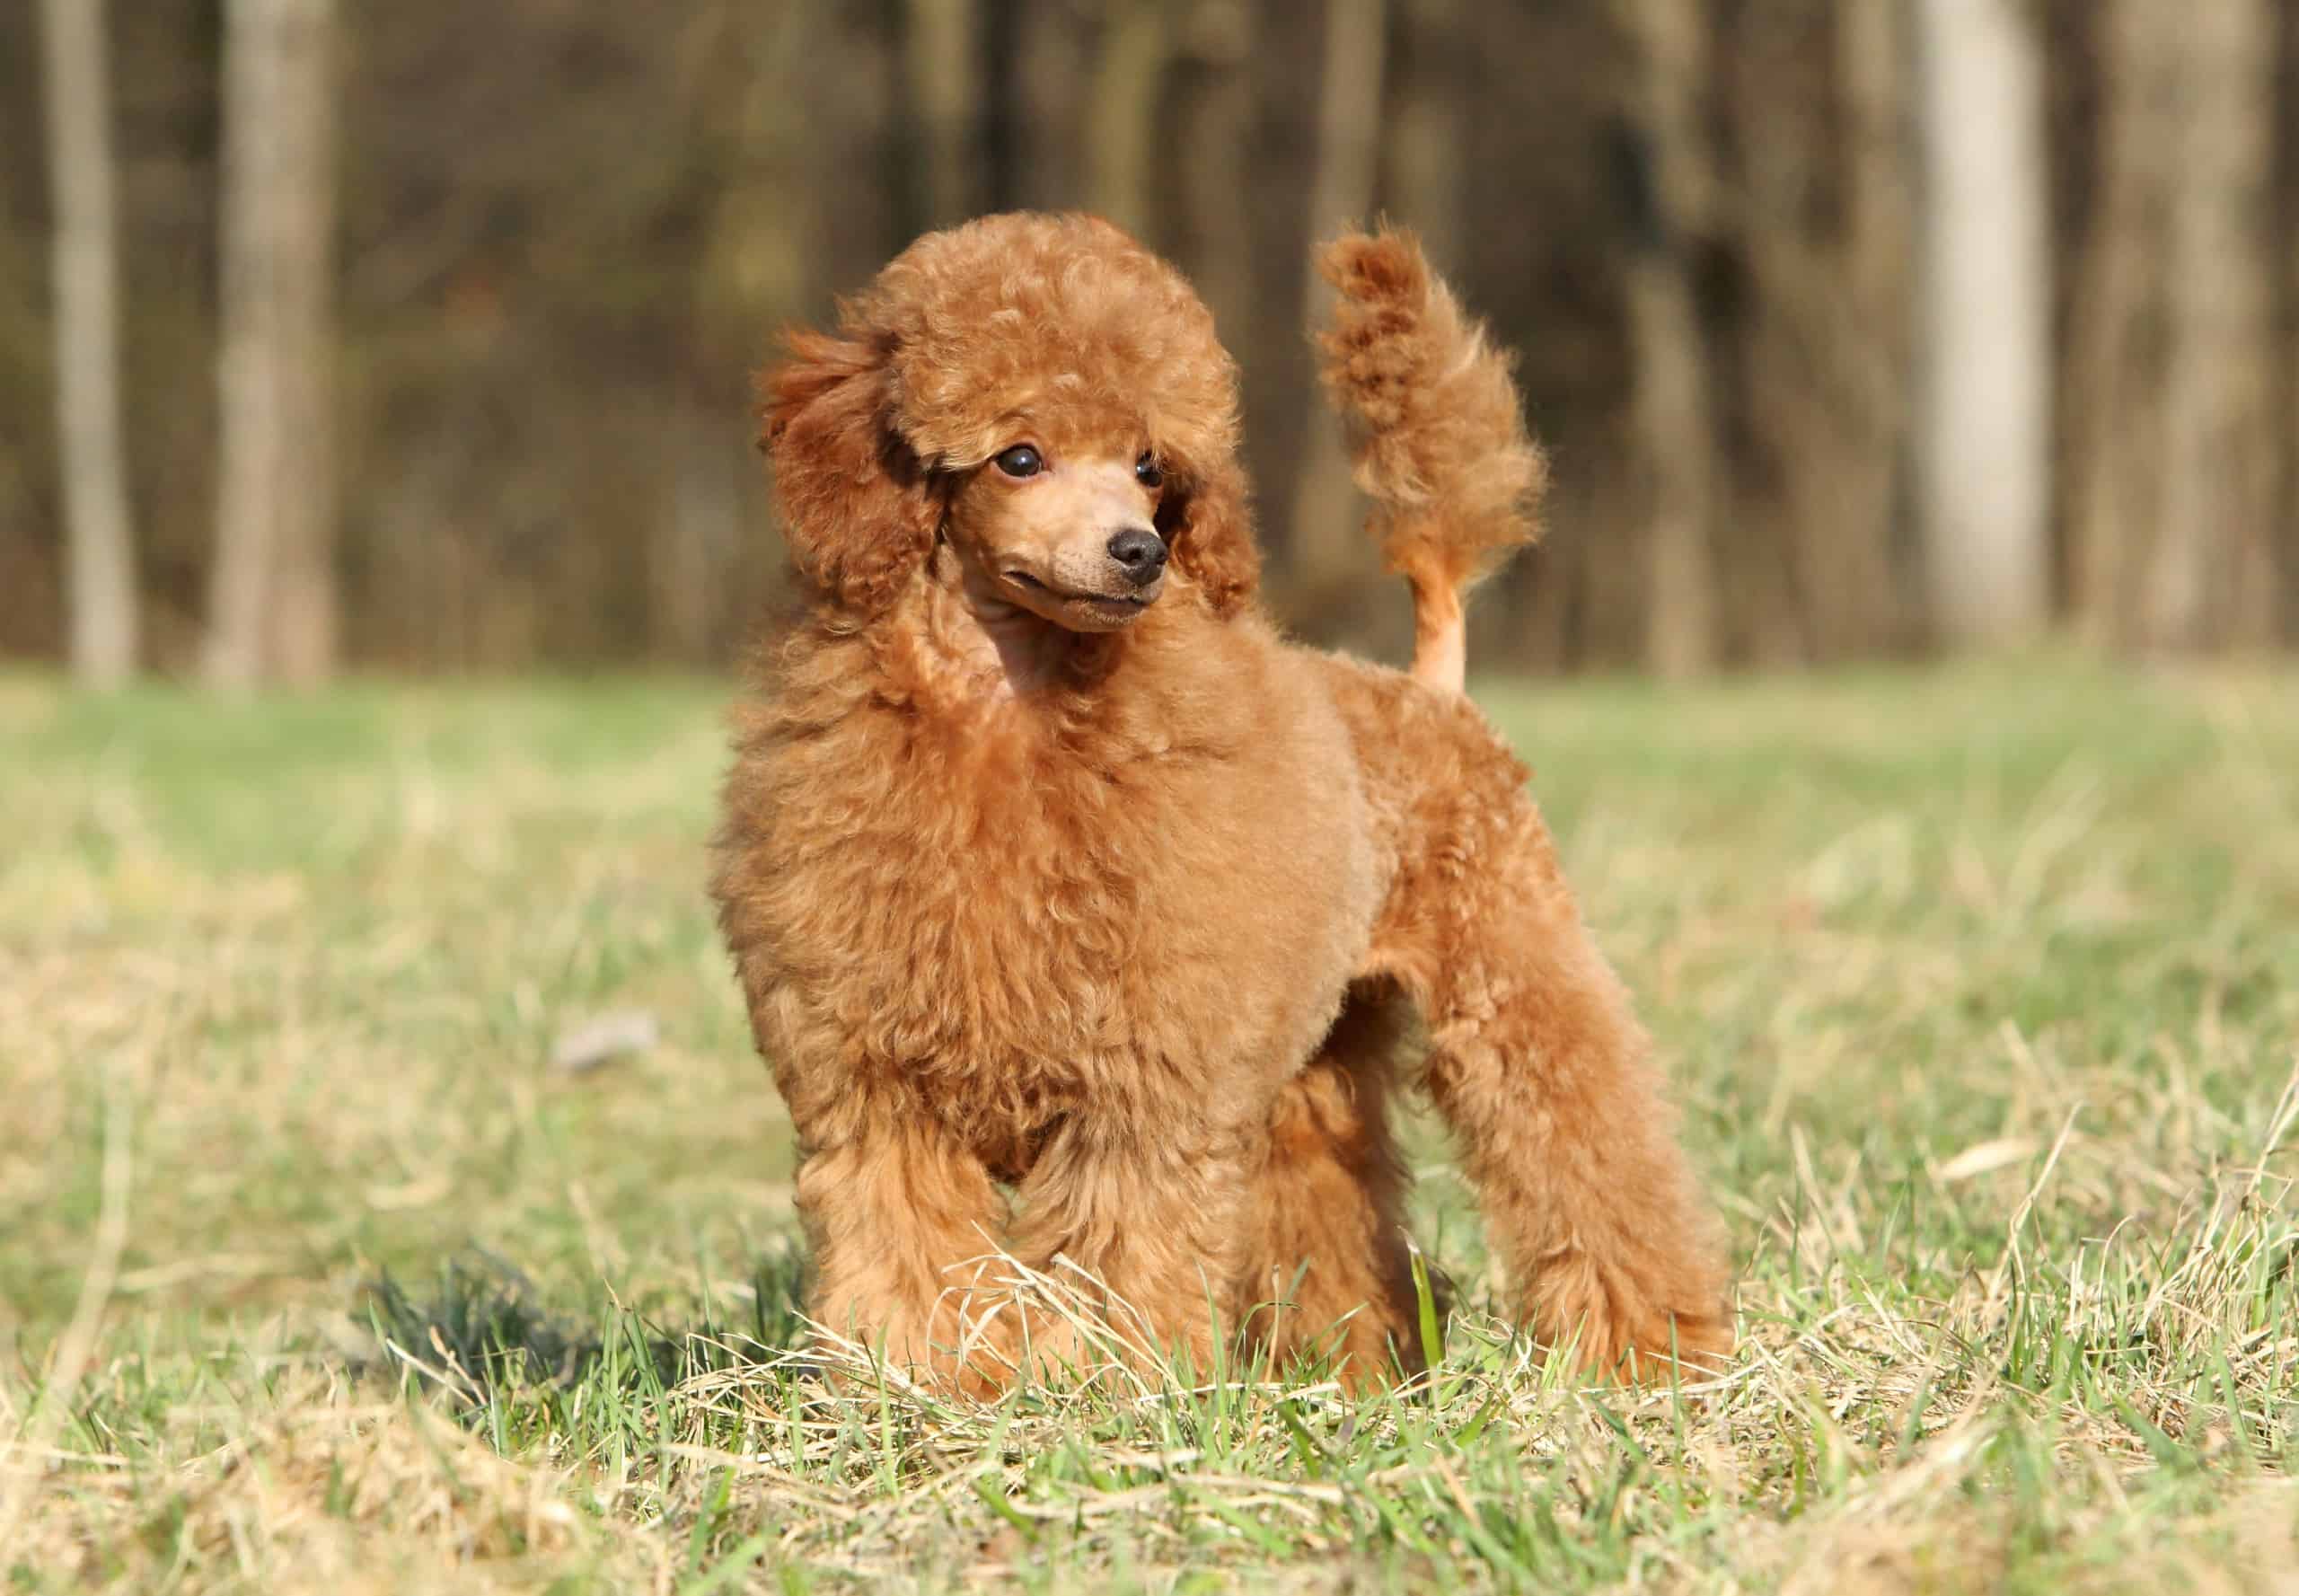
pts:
pixel 1981 987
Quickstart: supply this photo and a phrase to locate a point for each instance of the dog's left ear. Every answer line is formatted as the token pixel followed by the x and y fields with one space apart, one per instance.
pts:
pixel 858 509
pixel 1208 527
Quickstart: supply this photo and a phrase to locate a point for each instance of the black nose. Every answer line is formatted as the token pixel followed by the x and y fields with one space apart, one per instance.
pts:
pixel 1141 552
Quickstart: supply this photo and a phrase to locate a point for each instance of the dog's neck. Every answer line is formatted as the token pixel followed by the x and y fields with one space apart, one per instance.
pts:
pixel 977 647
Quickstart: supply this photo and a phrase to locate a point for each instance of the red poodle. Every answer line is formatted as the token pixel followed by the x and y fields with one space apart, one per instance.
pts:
pixel 1080 914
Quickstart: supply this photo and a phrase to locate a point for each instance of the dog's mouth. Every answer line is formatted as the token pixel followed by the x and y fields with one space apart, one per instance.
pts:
pixel 1103 610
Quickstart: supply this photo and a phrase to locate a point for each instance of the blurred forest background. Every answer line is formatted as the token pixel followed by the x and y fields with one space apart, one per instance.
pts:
pixel 417 336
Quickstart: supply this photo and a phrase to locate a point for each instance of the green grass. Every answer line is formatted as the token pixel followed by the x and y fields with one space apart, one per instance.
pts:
pixel 1981 988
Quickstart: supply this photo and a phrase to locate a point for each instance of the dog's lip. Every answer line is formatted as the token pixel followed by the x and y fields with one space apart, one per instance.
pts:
pixel 1132 601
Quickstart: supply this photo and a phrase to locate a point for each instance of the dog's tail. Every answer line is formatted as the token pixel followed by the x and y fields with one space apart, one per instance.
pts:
pixel 1434 429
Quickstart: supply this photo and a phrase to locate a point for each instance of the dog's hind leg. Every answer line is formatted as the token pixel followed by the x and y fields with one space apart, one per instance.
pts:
pixel 1327 1268
pixel 1543 1074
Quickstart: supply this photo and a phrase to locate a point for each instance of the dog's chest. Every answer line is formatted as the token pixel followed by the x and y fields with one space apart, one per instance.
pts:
pixel 1017 938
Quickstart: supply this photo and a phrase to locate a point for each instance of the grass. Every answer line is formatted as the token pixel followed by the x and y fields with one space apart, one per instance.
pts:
pixel 1981 987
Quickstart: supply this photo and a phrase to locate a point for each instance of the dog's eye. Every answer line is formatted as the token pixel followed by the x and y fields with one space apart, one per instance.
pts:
pixel 1149 472
pixel 1020 460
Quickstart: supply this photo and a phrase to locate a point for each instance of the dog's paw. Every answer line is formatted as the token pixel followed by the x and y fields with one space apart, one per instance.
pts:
pixel 1616 1333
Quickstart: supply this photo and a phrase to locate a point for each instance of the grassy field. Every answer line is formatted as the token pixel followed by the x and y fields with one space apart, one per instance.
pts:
pixel 1981 987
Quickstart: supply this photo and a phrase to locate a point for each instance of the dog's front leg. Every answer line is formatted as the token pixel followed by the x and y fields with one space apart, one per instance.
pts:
pixel 1137 1228
pixel 902 1219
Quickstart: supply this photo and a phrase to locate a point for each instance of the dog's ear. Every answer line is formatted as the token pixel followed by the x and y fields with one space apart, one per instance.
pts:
pixel 1208 527
pixel 858 509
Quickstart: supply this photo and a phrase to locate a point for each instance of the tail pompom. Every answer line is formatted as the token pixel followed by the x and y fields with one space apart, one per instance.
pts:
pixel 1434 427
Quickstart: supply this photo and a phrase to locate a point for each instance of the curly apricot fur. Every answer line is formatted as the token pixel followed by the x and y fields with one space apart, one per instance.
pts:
pixel 1123 958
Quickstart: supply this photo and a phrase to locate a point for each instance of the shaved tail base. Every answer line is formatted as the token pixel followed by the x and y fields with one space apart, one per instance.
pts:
pixel 1441 631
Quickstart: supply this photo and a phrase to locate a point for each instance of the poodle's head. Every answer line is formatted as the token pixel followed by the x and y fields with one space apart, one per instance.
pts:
pixel 1042 392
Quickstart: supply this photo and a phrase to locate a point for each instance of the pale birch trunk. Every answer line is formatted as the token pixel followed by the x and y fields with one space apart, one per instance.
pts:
pixel 98 543
pixel 272 596
pixel 1983 422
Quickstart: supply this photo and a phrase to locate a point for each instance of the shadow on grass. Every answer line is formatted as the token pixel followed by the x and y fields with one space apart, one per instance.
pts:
pixel 480 1331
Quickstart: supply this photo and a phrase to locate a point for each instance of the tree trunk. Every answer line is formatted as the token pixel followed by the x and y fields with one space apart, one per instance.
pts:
pixel 2210 577
pixel 1876 344
pixel 2174 442
pixel 272 598
pixel 1212 138
pixel 2287 236
pixel 1776 544
pixel 692 558
pixel 1982 437
pixel 1427 144
pixel 939 44
pixel 1328 544
pixel 1051 60
pixel 2113 452
pixel 1671 419
pixel 1122 138
pixel 759 271
pixel 101 555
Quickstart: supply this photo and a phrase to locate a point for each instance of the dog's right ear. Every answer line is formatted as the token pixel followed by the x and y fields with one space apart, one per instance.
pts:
pixel 857 509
